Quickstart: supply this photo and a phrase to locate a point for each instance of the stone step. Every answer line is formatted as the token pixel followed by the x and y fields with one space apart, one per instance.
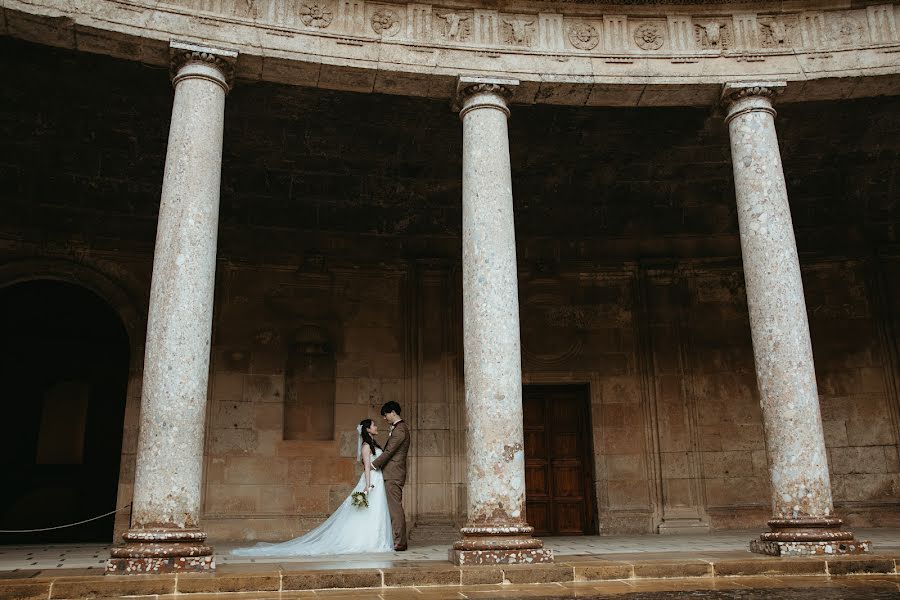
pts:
pixel 64 584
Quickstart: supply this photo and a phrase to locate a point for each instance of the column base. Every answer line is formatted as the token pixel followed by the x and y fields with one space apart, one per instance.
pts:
pixel 810 548
pixel 499 545
pixel 161 551
pixel 500 557
pixel 808 537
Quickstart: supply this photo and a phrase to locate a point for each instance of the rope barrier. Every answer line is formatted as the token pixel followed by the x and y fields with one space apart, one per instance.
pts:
pixel 112 512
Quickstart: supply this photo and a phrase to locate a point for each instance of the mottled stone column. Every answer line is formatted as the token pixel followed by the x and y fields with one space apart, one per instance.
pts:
pixel 165 532
pixel 496 531
pixel 803 515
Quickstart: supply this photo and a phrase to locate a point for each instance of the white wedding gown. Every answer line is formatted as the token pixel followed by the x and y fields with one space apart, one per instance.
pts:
pixel 349 530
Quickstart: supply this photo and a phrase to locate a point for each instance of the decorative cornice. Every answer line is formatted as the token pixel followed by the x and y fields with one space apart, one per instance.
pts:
pixel 564 53
pixel 184 53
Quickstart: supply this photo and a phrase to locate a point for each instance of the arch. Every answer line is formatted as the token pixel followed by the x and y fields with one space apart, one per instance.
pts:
pixel 132 315
pixel 66 371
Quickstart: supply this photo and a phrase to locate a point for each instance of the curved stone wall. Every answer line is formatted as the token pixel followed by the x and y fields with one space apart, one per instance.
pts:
pixel 575 53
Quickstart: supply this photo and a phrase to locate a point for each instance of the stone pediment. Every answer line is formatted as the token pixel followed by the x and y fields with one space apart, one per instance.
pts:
pixel 615 53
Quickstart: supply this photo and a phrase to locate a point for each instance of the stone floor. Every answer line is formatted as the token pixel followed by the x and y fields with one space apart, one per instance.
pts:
pixel 93 556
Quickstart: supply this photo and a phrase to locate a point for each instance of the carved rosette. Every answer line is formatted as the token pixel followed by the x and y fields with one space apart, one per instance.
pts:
pixel 316 15
pixel 649 36
pixel 386 22
pixel 584 36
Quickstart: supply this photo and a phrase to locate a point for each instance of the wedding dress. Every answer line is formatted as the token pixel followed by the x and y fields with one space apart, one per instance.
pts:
pixel 349 530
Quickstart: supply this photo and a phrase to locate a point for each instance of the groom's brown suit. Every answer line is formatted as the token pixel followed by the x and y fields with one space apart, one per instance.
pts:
pixel 392 463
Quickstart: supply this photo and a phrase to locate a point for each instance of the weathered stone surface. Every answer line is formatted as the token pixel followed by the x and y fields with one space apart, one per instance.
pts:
pixel 168 476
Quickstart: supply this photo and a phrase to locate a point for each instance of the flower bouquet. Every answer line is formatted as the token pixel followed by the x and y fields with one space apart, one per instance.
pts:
pixel 360 499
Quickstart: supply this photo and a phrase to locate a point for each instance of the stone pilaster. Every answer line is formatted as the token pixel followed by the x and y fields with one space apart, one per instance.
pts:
pixel 803 520
pixel 496 531
pixel 165 532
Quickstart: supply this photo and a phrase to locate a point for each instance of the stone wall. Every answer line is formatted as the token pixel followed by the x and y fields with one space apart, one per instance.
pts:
pixel 339 239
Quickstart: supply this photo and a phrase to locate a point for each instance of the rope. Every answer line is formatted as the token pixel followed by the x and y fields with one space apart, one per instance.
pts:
pixel 112 512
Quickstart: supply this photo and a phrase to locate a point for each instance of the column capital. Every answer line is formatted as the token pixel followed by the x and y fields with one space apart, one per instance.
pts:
pixel 749 96
pixel 213 64
pixel 483 92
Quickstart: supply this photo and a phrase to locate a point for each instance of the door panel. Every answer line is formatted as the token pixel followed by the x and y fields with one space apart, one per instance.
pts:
pixel 558 460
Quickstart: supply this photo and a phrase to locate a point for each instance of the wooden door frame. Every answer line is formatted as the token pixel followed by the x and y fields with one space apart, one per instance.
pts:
pixel 588 388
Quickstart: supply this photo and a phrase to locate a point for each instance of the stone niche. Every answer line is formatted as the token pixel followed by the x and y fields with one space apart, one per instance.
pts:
pixel 309 387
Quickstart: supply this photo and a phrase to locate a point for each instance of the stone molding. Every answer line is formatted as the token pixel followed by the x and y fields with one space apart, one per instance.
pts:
pixel 653 27
pixel 483 92
pixel 581 54
pixel 740 98
pixel 185 53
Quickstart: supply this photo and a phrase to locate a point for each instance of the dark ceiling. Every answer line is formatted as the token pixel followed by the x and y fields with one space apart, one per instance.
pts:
pixel 83 137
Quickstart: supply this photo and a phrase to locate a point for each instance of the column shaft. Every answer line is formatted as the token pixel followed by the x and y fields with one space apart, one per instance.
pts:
pixel 497 531
pixel 798 468
pixel 165 530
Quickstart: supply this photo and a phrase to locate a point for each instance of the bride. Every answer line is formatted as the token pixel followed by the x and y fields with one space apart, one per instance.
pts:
pixel 350 529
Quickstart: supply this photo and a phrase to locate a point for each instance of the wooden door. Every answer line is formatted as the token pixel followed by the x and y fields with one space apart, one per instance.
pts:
pixel 559 469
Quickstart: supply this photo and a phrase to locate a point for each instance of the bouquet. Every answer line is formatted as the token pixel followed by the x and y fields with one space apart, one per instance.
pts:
pixel 360 499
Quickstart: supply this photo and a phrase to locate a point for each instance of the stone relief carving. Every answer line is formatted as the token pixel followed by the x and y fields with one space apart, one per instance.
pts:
pixel 316 15
pixel 777 32
pixel 680 32
pixel 386 22
pixel 649 36
pixel 712 35
pixel 584 36
pixel 454 26
pixel 846 30
pixel 517 31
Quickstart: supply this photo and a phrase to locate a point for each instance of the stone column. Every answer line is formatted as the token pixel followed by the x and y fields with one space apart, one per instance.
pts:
pixel 496 531
pixel 803 519
pixel 165 532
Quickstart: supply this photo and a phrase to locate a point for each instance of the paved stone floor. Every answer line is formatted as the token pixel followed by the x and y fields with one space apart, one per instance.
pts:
pixel 93 556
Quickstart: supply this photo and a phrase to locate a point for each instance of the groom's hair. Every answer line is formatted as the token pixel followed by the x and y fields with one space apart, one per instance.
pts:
pixel 390 407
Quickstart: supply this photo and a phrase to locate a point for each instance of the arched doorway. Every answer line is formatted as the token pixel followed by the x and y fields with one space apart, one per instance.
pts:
pixel 64 359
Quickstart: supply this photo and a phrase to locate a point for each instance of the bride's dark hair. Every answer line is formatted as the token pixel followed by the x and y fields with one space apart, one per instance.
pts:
pixel 366 436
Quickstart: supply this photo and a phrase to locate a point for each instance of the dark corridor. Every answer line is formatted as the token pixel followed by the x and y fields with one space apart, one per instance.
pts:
pixel 64 358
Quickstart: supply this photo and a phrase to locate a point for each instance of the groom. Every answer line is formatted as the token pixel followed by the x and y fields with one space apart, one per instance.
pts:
pixel 392 464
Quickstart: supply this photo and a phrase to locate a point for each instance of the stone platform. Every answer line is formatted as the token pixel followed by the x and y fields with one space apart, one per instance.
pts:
pixel 310 579
pixel 624 563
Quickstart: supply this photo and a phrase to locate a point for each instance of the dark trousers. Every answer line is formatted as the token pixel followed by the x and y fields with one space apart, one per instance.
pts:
pixel 394 489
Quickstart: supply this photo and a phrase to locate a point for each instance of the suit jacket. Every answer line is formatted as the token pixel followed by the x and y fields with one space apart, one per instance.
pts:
pixel 392 461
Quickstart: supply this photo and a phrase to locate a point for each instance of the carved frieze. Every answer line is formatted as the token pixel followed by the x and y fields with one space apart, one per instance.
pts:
pixel 713 34
pixel 583 35
pixel 649 36
pixel 846 30
pixel 452 25
pixel 316 15
pixel 518 30
pixel 385 22
pixel 779 32
pixel 678 34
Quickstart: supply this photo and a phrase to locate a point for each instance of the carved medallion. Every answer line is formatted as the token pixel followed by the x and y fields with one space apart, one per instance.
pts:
pixel 386 22
pixel 316 15
pixel 584 36
pixel 648 37
pixel 516 30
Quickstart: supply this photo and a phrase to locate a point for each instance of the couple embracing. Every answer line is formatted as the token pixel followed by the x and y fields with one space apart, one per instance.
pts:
pixel 355 529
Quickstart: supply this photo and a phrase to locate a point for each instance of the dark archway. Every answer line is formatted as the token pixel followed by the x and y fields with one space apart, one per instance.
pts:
pixel 64 360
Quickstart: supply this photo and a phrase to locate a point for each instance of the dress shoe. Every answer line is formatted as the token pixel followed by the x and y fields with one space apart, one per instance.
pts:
pixel 399 548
